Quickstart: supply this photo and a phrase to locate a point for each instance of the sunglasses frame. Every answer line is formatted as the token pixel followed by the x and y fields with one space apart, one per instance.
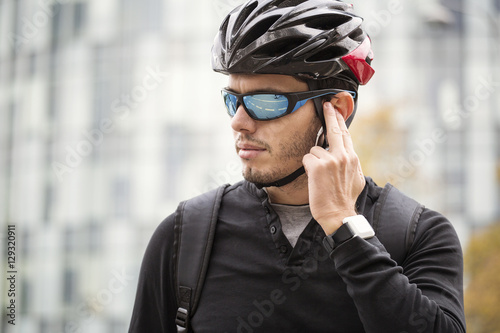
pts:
pixel 293 98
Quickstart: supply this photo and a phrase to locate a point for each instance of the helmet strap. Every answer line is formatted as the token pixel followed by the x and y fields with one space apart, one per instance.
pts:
pixel 283 181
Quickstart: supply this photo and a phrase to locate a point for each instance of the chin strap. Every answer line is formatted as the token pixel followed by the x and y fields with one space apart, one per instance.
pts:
pixel 283 181
pixel 291 177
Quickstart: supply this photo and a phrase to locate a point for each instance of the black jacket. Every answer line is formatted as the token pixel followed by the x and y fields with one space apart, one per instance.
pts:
pixel 258 282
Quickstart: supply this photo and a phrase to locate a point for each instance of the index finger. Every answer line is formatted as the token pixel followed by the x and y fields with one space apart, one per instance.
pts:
pixel 333 127
pixel 346 135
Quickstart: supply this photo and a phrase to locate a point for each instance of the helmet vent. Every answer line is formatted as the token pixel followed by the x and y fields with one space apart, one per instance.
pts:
pixel 287 3
pixel 278 48
pixel 258 30
pixel 328 22
pixel 356 34
pixel 245 12
pixel 329 53
pixel 223 29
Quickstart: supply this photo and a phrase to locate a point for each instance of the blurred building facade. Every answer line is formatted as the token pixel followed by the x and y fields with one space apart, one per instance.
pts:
pixel 110 115
pixel 105 107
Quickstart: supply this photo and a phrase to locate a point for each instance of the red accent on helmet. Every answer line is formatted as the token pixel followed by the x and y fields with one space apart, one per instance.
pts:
pixel 356 60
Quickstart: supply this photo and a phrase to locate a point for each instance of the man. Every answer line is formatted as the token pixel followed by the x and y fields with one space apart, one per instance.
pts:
pixel 295 248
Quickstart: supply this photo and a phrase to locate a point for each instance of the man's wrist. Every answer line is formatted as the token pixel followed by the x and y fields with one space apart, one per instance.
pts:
pixel 333 223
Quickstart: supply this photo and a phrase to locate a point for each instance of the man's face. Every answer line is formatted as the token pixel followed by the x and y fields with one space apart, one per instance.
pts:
pixel 273 149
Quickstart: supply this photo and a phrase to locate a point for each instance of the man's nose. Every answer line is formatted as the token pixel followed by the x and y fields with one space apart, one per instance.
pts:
pixel 241 122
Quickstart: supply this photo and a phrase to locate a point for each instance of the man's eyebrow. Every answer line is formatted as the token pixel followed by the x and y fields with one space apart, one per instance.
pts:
pixel 268 90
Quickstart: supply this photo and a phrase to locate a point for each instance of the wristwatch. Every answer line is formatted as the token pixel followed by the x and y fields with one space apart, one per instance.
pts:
pixel 351 227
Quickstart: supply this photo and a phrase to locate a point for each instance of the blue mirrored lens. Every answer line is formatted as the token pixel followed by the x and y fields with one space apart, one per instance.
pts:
pixel 266 106
pixel 231 103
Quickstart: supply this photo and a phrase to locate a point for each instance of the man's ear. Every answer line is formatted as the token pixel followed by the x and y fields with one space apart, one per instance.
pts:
pixel 344 103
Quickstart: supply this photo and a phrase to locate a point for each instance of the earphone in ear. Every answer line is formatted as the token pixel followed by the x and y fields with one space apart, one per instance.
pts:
pixel 318 135
pixel 321 139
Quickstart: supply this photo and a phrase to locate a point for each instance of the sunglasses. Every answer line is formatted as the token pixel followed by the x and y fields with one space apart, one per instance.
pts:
pixel 268 106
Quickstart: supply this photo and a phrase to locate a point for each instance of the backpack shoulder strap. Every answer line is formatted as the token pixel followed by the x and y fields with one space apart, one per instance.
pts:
pixel 195 222
pixel 395 221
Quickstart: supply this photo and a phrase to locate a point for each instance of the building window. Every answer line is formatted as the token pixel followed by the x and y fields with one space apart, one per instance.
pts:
pixel 25 292
pixel 57 26
pixel 176 139
pixel 152 14
pixel 69 239
pixel 69 286
pixel 80 15
pixel 25 244
pixel 32 64
pixel 121 197
pixel 49 192
pixel 454 173
pixel 94 232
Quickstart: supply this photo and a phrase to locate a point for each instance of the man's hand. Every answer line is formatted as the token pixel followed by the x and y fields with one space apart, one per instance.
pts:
pixel 335 178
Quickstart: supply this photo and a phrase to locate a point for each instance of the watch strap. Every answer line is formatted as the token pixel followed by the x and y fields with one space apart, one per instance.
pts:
pixel 342 234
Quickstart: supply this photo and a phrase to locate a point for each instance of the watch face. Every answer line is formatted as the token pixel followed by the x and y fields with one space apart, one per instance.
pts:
pixel 360 226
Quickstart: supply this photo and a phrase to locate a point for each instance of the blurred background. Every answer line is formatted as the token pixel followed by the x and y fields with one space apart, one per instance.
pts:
pixel 110 115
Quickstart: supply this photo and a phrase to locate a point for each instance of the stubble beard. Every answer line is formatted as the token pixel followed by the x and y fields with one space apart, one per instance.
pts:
pixel 297 145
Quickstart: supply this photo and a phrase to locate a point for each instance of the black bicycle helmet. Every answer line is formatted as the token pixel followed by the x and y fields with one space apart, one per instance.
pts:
pixel 310 39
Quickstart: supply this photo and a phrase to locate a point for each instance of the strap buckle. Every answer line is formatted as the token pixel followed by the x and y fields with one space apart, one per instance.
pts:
pixel 181 319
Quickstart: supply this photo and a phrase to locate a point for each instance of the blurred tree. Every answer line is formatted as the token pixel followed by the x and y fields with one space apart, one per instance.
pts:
pixel 482 270
pixel 377 140
pixel 498 171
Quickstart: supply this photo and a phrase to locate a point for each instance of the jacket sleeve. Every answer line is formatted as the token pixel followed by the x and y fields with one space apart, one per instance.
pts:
pixel 424 295
pixel 155 308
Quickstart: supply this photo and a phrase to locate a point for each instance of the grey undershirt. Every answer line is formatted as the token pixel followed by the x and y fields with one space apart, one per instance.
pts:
pixel 294 220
